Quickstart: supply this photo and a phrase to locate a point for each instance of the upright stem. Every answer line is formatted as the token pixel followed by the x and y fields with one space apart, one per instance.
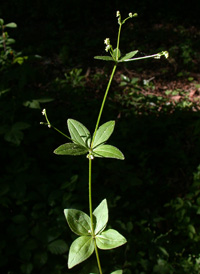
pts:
pixel 108 86
pixel 103 102
pixel 90 159
pixel 118 38
pixel 91 216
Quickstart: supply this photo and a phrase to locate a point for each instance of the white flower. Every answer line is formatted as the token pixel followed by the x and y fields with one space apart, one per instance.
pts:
pixel 166 54
pixel 107 41
pixel 117 14
pixel 107 48
pixel 130 14
pixel 43 111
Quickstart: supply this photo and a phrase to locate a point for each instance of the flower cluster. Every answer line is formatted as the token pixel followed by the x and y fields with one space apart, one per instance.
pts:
pixel 165 53
pixel 108 45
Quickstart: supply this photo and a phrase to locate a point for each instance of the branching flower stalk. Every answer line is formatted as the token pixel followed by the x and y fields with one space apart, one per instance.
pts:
pixel 91 229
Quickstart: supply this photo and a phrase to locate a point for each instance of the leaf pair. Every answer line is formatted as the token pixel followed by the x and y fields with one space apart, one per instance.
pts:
pixel 82 143
pixel 80 223
pixel 125 58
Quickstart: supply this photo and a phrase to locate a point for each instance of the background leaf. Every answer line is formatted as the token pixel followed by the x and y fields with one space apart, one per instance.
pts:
pixel 101 215
pixel 108 151
pixel 11 25
pixel 80 250
pixel 117 272
pixel 78 221
pixel 70 149
pixel 110 239
pixel 58 247
pixel 79 133
pixel 103 133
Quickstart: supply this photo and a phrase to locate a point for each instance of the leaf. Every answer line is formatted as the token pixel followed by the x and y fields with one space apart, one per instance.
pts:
pixel 79 133
pixel 110 239
pixel 1 21
pixel 105 58
pixel 108 151
pixel 78 221
pixel 117 272
pixel 103 133
pixel 101 215
pixel 128 55
pixel 80 250
pixel 11 25
pixel 58 247
pixel 115 53
pixel 70 149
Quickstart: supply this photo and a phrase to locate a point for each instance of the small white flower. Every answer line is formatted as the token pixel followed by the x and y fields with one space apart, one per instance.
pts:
pixel 107 41
pixel 117 14
pixel 43 111
pixel 130 14
pixel 107 48
pixel 49 126
pixel 166 54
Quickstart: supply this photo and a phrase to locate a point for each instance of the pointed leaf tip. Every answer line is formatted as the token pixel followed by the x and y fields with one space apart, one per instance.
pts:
pixel 108 151
pixel 79 133
pixel 80 250
pixel 70 149
pixel 110 239
pixel 78 221
pixel 103 133
pixel 101 216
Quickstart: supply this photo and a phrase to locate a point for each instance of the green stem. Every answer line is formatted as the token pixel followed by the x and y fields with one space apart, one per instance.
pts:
pixel 118 38
pixel 103 102
pixel 109 83
pixel 91 216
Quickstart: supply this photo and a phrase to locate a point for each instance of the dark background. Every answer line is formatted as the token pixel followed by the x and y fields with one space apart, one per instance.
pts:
pixel 153 195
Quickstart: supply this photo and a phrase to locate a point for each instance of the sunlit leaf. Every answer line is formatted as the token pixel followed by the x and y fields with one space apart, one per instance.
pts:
pixel 78 221
pixel 115 53
pixel 108 151
pixel 110 239
pixel 70 149
pixel 80 250
pixel 79 133
pixel 103 133
pixel 101 216
pixel 128 55
pixel 104 58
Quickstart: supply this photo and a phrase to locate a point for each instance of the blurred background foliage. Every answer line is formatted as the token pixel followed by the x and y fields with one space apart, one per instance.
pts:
pixel 153 196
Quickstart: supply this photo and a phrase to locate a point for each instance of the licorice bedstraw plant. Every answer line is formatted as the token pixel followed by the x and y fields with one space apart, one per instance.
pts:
pixel 91 228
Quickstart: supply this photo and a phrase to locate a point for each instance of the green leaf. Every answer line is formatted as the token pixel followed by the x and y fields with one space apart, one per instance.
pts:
pixel 101 216
pixel 80 250
pixel 58 247
pixel 78 221
pixel 104 58
pixel 115 54
pixel 108 151
pixel 1 21
pixel 103 133
pixel 110 239
pixel 128 55
pixel 70 149
pixel 79 133
pixel 11 25
pixel 117 272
